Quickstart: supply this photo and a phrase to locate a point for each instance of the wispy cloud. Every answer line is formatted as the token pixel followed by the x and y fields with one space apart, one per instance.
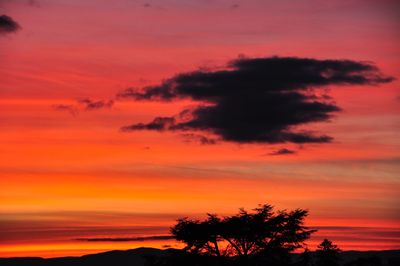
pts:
pixel 85 104
pixel 283 151
pixel 90 104
pixel 125 239
pixel 199 138
pixel 66 108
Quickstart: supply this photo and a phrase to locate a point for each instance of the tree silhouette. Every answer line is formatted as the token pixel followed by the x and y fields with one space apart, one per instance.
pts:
pixel 244 234
pixel 327 254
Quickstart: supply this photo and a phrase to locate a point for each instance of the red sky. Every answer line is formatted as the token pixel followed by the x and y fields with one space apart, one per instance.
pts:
pixel 68 174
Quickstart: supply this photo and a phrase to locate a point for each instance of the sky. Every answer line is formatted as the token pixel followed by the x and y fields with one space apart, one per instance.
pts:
pixel 119 117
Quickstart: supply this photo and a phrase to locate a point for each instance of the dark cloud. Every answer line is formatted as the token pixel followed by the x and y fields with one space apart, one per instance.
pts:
pixel 125 239
pixel 67 108
pixel 256 100
pixel 8 25
pixel 283 151
pixel 90 104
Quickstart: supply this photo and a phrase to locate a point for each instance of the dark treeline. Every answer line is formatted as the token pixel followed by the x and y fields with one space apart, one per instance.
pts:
pixel 261 237
pixel 309 258
pixel 154 257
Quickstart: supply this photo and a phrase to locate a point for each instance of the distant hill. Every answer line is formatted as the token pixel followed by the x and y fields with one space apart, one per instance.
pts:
pixel 138 257
pixel 133 257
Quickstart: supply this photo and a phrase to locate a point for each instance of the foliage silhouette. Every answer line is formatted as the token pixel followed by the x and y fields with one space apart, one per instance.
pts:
pixel 327 254
pixel 262 232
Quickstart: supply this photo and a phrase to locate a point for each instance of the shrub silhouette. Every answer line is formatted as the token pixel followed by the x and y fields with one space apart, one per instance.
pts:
pixel 327 254
pixel 246 234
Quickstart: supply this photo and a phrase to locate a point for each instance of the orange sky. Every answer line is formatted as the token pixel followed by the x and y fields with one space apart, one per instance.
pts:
pixel 66 176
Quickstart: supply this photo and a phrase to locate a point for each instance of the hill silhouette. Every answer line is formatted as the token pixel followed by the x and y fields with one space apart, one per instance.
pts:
pixel 131 257
pixel 145 257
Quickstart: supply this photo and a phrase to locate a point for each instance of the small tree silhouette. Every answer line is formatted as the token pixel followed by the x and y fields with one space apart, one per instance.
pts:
pixel 244 234
pixel 327 254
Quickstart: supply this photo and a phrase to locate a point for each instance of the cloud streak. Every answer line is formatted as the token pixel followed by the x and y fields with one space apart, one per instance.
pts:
pixel 256 100
pixel 126 239
pixel 66 108
pixel 85 104
pixel 283 151
pixel 90 104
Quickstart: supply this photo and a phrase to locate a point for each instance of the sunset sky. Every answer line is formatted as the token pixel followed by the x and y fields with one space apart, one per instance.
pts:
pixel 119 117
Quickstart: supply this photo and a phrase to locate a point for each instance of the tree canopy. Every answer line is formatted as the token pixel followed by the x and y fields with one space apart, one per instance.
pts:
pixel 245 233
